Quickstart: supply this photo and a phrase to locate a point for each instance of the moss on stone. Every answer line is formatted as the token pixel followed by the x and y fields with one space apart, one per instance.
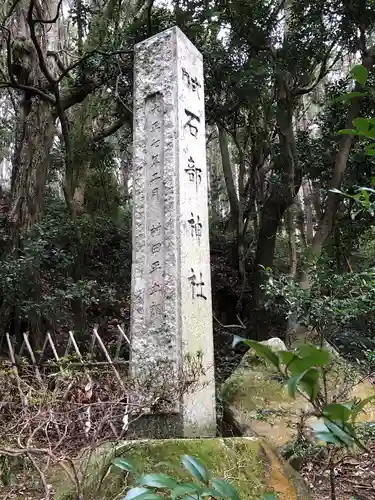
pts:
pixel 252 466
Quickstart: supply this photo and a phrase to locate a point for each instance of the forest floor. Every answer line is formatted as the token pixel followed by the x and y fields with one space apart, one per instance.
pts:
pixel 354 477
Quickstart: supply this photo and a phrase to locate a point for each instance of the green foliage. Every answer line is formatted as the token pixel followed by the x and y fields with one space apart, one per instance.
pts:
pixel 149 485
pixel 304 372
pixel 334 300
pixel 51 251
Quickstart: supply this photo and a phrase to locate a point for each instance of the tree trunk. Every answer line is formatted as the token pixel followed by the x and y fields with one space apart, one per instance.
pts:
pixel 228 177
pixel 291 228
pixel 283 193
pixel 31 164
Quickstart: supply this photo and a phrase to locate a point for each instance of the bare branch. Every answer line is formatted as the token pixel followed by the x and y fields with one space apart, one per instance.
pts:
pixel 31 22
pixel 49 21
pixel 323 71
pixel 13 82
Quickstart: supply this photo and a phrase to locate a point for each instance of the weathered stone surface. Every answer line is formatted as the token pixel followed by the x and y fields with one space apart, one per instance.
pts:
pixel 259 401
pixel 171 317
pixel 250 464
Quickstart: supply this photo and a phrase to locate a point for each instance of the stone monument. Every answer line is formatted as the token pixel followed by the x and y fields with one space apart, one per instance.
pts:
pixel 171 311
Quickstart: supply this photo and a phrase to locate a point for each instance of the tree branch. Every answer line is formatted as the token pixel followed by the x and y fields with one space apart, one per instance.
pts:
pixel 111 129
pixel 31 22
pixel 323 71
pixel 13 82
pixel 49 21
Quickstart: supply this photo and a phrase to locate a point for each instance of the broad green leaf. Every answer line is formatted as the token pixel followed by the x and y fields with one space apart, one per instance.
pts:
pixel 342 431
pixel 359 73
pixel 124 464
pixel 225 489
pixel 362 124
pixel 309 382
pixel 196 468
pixel 271 496
pixel 336 411
pixel 287 357
pixel 370 150
pixel 139 493
pixel 322 433
pixel 310 356
pixel 371 133
pixel 185 489
pixel 315 355
pixel 157 481
pixel 293 383
pixel 347 131
pixel 358 407
pixel 263 351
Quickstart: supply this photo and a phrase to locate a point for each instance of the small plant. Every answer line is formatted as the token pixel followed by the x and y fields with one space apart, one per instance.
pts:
pixel 304 372
pixel 158 485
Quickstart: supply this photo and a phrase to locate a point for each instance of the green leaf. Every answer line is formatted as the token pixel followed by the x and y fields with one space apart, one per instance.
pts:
pixel 359 73
pixel 310 383
pixel 271 496
pixel 370 150
pixel 322 433
pixel 310 356
pixel 293 383
pixel 263 352
pixel 124 464
pixel 225 489
pixel 185 489
pixel 141 494
pixel 362 124
pixel 196 468
pixel 308 380
pixel 315 355
pixel 157 481
pixel 358 407
pixel 342 431
pixel 287 357
pixel 336 411
pixel 347 131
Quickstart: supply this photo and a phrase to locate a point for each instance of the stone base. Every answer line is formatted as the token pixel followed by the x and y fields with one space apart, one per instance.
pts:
pixel 161 426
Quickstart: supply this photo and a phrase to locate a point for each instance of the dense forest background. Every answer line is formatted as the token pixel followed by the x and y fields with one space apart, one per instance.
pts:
pixel 287 252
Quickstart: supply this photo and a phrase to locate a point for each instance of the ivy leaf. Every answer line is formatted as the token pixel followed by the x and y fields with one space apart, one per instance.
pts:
pixel 359 73
pixel 196 468
pixel 264 352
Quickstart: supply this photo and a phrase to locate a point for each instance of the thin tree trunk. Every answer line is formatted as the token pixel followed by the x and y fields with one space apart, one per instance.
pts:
pixel 291 228
pixel 228 177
